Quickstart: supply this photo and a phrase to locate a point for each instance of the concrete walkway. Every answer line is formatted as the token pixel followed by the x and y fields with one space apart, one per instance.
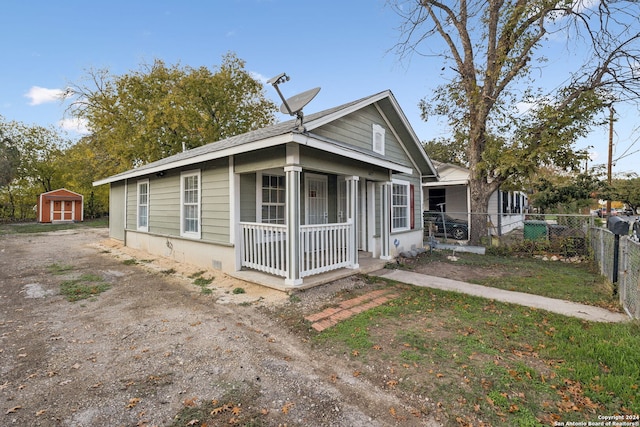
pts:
pixel 567 308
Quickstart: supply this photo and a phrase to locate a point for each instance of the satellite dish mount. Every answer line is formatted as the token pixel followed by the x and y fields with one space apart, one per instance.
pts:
pixel 294 105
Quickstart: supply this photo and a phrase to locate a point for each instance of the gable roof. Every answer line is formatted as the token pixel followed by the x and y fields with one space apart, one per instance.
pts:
pixel 284 132
pixel 449 174
pixel 62 194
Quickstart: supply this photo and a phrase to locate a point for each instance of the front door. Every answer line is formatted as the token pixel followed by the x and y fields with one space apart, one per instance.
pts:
pixel 316 202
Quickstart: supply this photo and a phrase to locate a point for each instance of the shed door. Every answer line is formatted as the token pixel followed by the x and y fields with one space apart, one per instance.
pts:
pixel 316 199
pixel 67 212
pixel 56 210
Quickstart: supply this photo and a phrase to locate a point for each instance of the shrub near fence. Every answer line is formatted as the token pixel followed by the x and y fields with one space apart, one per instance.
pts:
pixel 565 235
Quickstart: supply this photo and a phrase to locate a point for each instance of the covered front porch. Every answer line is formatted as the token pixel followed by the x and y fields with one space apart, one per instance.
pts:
pixel 309 224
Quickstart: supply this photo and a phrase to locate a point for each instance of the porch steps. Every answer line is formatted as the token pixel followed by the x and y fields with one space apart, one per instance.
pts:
pixel 333 315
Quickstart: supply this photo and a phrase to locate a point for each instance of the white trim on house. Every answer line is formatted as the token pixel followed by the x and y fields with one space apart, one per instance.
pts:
pixel 193 234
pixel 234 201
pixel 250 146
pixel 351 154
pixel 407 208
pixel 378 140
pixel 256 145
pixel 143 227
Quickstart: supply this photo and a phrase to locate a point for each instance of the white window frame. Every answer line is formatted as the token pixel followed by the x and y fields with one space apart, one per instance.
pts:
pixel 261 202
pixel 378 135
pixel 140 226
pixel 183 204
pixel 407 208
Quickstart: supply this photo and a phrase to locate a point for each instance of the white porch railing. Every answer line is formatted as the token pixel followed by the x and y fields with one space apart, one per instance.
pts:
pixel 323 248
pixel 264 247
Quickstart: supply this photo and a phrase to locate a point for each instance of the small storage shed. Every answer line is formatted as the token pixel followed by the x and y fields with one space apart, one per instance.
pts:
pixel 60 205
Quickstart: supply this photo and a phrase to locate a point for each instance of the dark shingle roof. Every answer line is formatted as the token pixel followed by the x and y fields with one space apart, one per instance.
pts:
pixel 311 121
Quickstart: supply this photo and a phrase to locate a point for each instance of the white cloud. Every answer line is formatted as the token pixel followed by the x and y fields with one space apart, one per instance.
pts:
pixel 40 95
pixel 75 125
pixel 259 77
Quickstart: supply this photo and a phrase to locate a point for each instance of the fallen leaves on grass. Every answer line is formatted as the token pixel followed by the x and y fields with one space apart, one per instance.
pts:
pixel 190 403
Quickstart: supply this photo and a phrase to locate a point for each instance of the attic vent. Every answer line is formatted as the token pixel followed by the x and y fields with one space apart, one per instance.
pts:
pixel 378 139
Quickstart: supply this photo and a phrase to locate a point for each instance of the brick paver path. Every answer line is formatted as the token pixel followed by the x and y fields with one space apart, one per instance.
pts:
pixel 332 315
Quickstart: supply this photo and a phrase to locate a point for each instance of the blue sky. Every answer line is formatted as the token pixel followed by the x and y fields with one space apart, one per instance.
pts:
pixel 345 47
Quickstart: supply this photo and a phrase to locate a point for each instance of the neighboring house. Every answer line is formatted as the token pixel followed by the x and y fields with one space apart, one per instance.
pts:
pixel 287 202
pixel 506 209
pixel 60 205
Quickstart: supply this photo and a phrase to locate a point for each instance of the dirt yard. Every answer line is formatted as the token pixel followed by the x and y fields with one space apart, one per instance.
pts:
pixel 155 346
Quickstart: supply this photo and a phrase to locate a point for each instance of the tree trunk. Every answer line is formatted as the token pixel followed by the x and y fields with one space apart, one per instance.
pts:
pixel 480 194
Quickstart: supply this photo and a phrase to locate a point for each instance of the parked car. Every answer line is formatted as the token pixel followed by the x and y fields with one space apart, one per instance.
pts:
pixel 602 212
pixel 456 228
pixel 628 212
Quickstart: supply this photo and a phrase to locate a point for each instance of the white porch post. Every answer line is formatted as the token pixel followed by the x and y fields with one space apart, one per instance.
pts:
pixel 352 216
pixel 292 220
pixel 385 222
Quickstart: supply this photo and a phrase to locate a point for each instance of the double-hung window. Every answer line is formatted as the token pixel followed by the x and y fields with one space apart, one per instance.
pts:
pixel 190 189
pixel 400 206
pixel 143 205
pixel 273 199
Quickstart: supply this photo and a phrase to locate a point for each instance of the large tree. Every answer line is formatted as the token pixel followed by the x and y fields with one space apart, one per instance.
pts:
pixel 9 158
pixel 160 110
pixel 565 193
pixel 40 150
pixel 38 168
pixel 626 190
pixel 489 50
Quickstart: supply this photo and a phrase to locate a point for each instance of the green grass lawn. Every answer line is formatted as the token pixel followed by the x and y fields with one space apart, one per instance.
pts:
pixel 577 282
pixel 482 361
pixel 35 227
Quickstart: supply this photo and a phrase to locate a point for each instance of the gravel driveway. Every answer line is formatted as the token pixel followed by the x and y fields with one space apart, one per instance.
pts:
pixel 154 344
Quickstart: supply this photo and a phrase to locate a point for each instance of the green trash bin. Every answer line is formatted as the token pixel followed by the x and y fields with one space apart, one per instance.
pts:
pixel 535 230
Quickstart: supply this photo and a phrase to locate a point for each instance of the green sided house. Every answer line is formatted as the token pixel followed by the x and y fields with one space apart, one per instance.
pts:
pixel 285 201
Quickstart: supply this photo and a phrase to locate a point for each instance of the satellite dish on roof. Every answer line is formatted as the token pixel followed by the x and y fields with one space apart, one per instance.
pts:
pixel 297 102
pixel 293 105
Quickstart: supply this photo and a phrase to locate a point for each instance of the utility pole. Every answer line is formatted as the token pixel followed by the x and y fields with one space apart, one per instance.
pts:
pixel 610 162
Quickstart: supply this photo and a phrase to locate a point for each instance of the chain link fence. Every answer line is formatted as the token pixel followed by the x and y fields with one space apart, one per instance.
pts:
pixel 565 236
pixel 628 284
pixel 561 235
pixel 602 246
pixel 629 276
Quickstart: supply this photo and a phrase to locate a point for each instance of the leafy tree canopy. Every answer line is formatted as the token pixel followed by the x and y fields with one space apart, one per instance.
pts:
pixel 160 110
pixel 9 158
pixel 565 192
pixel 625 190
pixel 490 50
pixel 448 150
pixel 39 149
